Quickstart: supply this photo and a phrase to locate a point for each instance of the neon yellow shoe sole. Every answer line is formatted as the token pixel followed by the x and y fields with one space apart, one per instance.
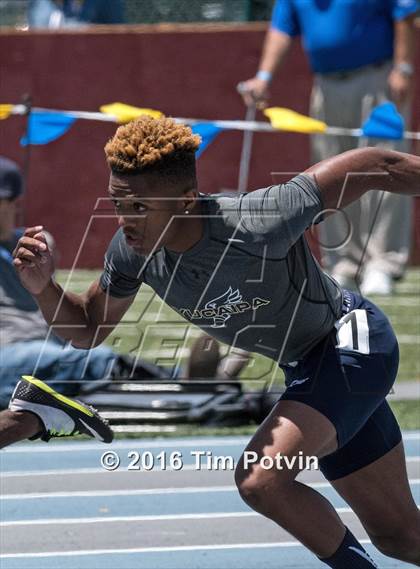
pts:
pixel 61 416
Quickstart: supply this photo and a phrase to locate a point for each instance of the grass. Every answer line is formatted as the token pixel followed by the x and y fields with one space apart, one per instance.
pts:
pixel 407 413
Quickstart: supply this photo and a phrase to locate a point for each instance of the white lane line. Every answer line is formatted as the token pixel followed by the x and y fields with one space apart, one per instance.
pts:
pixel 138 492
pixel 64 472
pixel 148 491
pixel 128 519
pixel 144 445
pixel 211 547
pixel 85 471
pixel 412 436
pixel 128 444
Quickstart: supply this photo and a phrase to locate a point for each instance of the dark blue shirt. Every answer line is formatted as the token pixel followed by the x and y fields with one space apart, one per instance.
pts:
pixel 339 35
pixel 20 318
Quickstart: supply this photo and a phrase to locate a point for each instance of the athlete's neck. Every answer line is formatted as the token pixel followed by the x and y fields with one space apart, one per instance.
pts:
pixel 193 230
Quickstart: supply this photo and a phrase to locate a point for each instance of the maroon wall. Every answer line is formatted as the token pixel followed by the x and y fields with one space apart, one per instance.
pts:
pixel 185 72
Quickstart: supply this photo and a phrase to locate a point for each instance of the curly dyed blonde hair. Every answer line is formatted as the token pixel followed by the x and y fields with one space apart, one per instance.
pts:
pixel 153 145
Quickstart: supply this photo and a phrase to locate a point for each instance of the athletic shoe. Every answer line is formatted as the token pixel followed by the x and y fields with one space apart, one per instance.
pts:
pixel 376 282
pixel 60 415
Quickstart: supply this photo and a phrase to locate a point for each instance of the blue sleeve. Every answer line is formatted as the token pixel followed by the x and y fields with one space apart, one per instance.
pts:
pixel 284 18
pixel 403 8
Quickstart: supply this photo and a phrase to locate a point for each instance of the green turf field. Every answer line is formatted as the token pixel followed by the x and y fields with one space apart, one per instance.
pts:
pixel 158 334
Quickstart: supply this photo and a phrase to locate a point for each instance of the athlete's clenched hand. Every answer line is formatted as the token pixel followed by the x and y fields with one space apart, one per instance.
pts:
pixel 33 260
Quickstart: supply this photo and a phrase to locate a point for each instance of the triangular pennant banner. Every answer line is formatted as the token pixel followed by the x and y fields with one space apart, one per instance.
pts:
pixel 208 132
pixel 384 122
pixel 46 127
pixel 126 113
pixel 5 111
pixel 286 119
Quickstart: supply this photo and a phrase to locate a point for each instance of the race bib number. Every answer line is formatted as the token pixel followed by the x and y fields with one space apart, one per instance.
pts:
pixel 353 332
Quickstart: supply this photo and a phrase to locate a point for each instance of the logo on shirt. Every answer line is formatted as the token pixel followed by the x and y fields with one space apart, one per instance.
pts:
pixel 223 307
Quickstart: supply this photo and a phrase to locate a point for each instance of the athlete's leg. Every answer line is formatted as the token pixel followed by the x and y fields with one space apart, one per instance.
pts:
pixel 17 426
pixel 331 394
pixel 379 493
pixel 290 429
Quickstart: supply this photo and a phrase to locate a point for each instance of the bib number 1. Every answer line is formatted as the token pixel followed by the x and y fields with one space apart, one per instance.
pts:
pixel 353 332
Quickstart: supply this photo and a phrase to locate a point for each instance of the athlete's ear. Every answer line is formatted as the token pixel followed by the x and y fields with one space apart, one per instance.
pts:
pixel 189 198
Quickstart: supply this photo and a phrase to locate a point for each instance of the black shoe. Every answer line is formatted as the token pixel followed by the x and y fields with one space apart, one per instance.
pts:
pixel 60 415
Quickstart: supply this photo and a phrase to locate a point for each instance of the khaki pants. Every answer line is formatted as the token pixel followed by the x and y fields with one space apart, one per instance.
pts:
pixel 380 221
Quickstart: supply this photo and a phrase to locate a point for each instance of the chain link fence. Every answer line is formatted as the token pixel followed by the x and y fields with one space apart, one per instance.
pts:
pixel 14 13
pixel 197 10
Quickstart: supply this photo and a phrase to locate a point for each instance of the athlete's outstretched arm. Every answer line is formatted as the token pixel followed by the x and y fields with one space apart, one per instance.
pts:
pixel 86 319
pixel 346 177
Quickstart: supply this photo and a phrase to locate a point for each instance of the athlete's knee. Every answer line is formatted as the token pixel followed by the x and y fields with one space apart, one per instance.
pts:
pixel 257 485
pixel 252 488
pixel 403 543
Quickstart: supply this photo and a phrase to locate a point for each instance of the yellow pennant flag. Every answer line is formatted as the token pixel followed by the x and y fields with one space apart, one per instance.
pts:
pixel 286 119
pixel 126 113
pixel 5 111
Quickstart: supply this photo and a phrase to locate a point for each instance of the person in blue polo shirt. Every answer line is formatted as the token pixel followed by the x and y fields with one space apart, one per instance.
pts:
pixel 361 52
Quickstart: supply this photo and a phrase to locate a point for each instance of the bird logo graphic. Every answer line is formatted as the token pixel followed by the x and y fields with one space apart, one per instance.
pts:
pixel 228 298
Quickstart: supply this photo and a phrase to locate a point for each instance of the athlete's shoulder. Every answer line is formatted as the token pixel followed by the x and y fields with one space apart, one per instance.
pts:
pixel 288 199
pixel 216 201
pixel 219 208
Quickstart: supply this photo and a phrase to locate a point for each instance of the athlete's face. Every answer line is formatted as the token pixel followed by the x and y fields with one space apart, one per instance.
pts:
pixel 153 216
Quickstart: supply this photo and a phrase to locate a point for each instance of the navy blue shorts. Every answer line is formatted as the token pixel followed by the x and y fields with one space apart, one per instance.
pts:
pixel 346 377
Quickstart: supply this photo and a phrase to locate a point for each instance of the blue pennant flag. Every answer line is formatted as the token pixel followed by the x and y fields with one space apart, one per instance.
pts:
pixel 46 127
pixel 384 122
pixel 208 132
